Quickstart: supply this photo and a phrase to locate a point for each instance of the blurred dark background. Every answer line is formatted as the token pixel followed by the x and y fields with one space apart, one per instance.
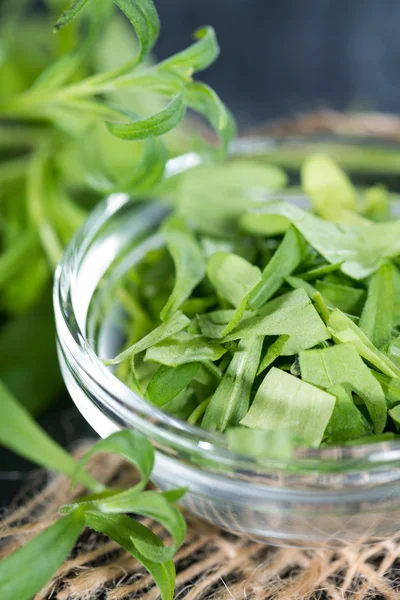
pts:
pixel 277 59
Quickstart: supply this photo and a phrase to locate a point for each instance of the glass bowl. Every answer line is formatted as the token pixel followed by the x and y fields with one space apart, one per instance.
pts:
pixel 331 496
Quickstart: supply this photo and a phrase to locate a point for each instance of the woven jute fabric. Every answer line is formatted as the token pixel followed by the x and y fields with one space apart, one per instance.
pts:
pixel 212 564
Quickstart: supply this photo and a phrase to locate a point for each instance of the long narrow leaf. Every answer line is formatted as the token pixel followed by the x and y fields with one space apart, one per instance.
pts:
pixel 189 261
pixel 286 259
pixel 377 316
pixel 347 421
pixel 170 327
pixel 233 277
pixel 157 507
pixel 348 299
pixel 184 348
pixel 328 187
pixel 201 98
pixel 24 573
pixel 144 18
pixel 141 13
pixel 70 14
pixel 20 432
pixel 156 125
pixel 168 382
pixel 124 530
pixel 58 73
pixel 131 445
pixel 273 352
pixel 231 400
pixel 197 57
pixel 38 189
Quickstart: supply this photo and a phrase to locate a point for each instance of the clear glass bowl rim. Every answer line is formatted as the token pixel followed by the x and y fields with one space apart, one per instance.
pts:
pixel 158 425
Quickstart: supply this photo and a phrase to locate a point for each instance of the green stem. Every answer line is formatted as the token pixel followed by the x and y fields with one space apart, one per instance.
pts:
pixel 11 170
pixel 19 136
pixel 31 103
pixel 321 307
pixel 199 411
pixel 36 198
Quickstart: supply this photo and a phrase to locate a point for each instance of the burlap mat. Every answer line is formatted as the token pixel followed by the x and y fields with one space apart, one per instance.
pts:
pixel 211 564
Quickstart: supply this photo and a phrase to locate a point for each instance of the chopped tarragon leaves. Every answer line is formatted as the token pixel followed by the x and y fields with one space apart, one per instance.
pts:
pixel 276 326
pixel 285 260
pixel 234 279
pixel 291 314
pixel 377 316
pixel 231 401
pixel 342 364
pixel 287 403
pixel 189 263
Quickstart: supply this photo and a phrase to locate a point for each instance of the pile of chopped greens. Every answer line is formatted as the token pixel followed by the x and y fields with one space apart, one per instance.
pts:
pixel 257 314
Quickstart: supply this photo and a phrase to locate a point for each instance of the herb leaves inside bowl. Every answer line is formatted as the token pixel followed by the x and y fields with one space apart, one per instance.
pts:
pixel 269 317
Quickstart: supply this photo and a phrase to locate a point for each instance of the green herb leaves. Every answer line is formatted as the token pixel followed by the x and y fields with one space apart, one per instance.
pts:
pixel 170 327
pixel 232 276
pixel 361 249
pixel 347 421
pixel 286 403
pixel 291 314
pixel 231 188
pixel 132 445
pixel 24 573
pixel 70 14
pixel 286 259
pixel 197 57
pixel 202 99
pixel 345 330
pixel 329 189
pixel 377 316
pixel 183 348
pixel 342 365
pixel 144 18
pixel 155 506
pixel 156 125
pixel 21 434
pixel 141 13
pixel 126 533
pixel 336 332
pixel 75 106
pixel 231 400
pixel 189 263
pixel 168 382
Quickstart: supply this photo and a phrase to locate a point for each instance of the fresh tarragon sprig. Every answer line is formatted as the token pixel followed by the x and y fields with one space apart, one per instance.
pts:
pixel 49 136
pixel 25 572
pixel 54 94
